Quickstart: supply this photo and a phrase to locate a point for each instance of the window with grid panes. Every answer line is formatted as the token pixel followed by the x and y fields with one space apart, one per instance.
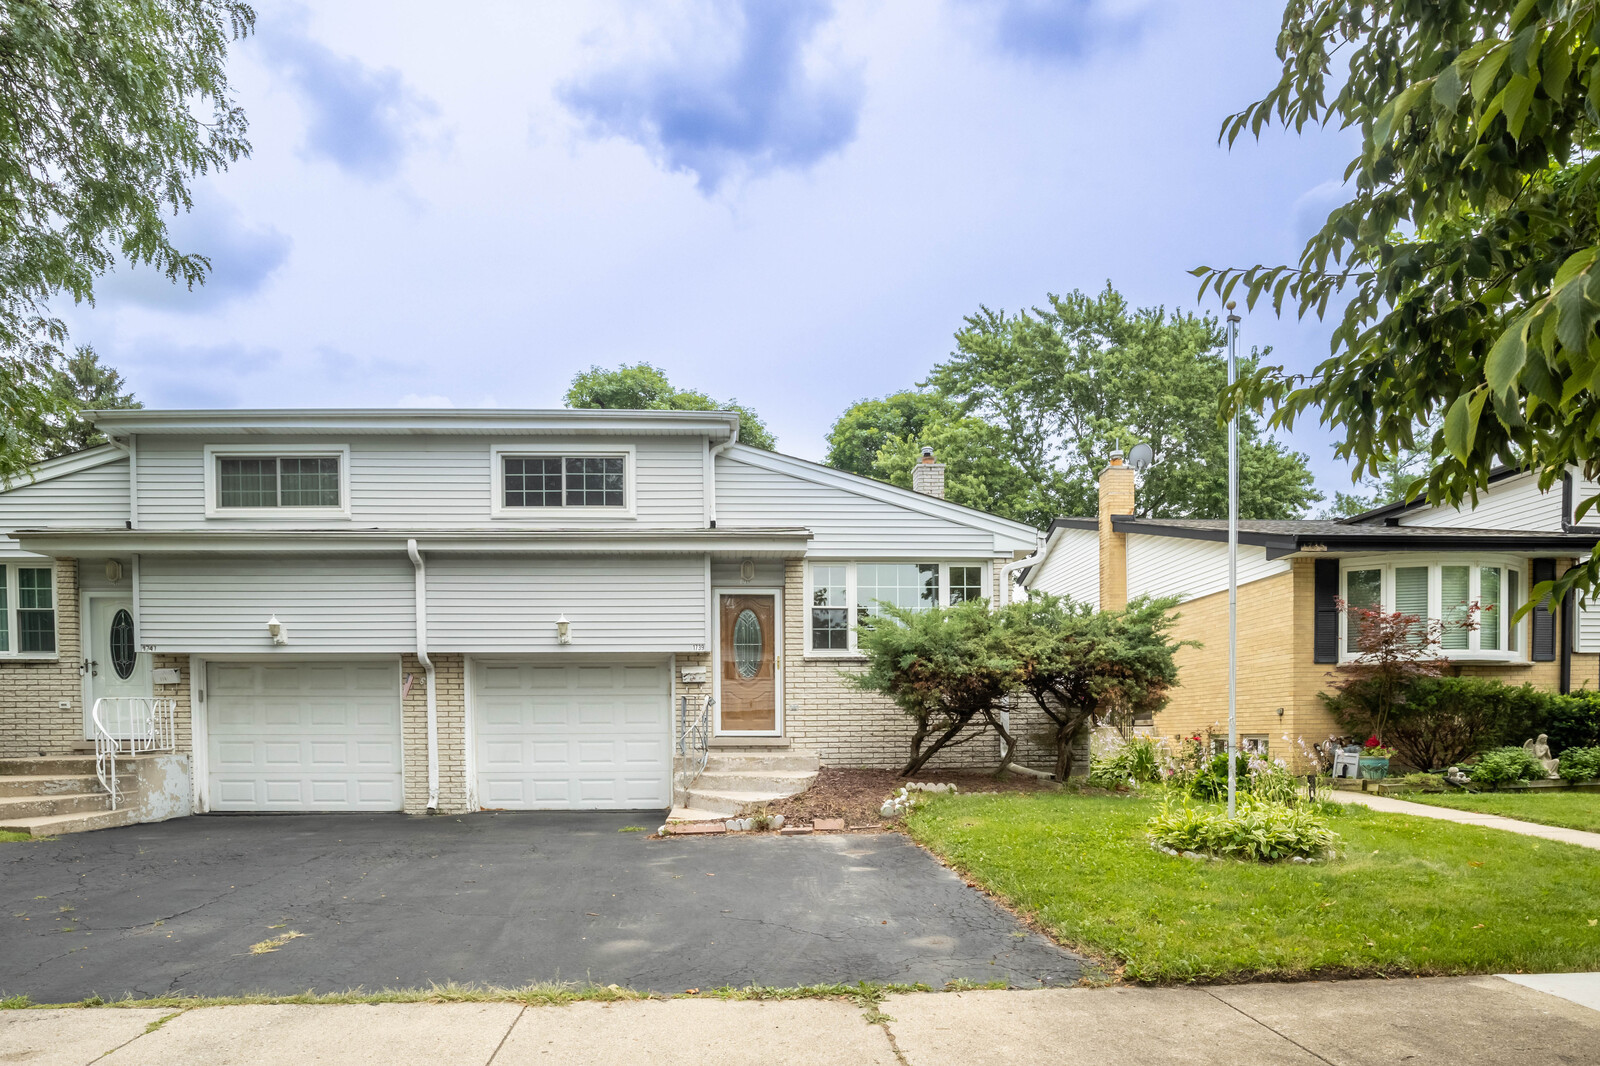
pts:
pixel 830 612
pixel 278 481
pixel 564 481
pixel 966 583
pixel 36 609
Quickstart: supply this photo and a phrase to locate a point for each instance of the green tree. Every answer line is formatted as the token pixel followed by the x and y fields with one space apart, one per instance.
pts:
pixel 1466 256
pixel 1082 666
pixel 642 387
pixel 110 109
pixel 79 383
pixel 1064 385
pixel 1397 479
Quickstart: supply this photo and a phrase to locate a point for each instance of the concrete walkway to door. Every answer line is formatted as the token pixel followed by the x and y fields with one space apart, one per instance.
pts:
pixel 1450 814
pixel 390 901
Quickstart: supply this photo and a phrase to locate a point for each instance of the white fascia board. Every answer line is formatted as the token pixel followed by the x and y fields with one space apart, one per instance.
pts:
pixel 70 464
pixel 1009 535
pixel 719 425
pixel 766 543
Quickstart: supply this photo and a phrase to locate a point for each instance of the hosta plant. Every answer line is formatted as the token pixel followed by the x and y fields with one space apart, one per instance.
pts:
pixel 1259 831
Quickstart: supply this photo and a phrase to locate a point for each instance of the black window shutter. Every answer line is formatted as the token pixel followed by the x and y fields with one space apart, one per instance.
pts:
pixel 1544 622
pixel 1325 630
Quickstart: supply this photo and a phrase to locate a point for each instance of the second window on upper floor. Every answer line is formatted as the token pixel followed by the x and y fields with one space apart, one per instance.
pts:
pixel 266 481
pixel 560 481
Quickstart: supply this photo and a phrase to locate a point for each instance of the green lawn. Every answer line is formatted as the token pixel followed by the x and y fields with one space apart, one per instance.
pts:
pixel 1573 810
pixel 1410 895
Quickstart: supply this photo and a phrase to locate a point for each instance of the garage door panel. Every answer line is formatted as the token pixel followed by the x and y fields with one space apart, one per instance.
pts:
pixel 304 737
pixel 591 735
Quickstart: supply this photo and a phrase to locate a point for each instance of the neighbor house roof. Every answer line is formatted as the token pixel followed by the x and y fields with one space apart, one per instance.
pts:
pixel 1287 536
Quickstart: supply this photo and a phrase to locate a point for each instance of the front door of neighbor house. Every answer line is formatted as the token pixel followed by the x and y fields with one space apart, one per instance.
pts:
pixel 113 665
pixel 749 663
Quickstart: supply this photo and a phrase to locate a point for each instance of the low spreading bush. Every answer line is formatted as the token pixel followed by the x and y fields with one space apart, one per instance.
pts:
pixel 1116 760
pixel 1580 764
pixel 1440 721
pixel 1260 831
pixel 1505 765
pixel 1263 778
pixel 1425 782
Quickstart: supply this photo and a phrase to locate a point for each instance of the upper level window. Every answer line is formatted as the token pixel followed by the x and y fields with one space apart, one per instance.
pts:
pixel 267 481
pixel 27 610
pixel 844 595
pixel 535 484
pixel 1472 599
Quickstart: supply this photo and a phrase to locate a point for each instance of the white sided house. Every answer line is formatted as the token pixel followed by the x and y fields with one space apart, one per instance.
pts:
pixel 450 610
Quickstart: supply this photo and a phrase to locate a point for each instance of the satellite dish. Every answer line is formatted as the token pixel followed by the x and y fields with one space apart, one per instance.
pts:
pixel 1140 457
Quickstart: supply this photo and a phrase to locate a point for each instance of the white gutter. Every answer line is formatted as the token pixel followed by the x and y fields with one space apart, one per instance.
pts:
pixel 427 668
pixel 1010 568
pixel 712 487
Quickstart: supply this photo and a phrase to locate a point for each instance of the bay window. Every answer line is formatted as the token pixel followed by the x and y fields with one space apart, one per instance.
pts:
pixel 1474 599
pixel 843 595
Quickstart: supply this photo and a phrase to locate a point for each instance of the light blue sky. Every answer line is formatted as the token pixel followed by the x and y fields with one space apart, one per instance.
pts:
pixel 791 204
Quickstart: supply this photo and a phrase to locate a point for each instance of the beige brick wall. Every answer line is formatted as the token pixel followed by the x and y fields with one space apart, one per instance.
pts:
pixel 32 721
pixel 451 710
pixel 179 693
pixel 1116 497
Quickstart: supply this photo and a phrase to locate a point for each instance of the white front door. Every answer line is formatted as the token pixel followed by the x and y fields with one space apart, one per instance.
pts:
pixel 565 736
pixel 304 736
pixel 113 663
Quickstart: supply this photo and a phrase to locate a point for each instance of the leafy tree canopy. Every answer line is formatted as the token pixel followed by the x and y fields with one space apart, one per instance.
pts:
pixel 1467 251
pixel 110 109
pixel 1027 410
pixel 79 383
pixel 642 387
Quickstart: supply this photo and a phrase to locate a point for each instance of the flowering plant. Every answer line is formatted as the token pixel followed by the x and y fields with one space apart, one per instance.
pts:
pixel 1374 749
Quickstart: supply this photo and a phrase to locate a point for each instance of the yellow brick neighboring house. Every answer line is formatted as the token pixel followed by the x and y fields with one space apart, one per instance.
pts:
pixel 1292 636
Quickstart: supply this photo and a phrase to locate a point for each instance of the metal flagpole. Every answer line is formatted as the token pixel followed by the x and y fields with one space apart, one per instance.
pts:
pixel 1233 564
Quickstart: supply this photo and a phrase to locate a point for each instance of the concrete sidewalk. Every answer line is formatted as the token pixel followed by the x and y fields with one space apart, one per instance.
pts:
pixel 1459 1021
pixel 1488 821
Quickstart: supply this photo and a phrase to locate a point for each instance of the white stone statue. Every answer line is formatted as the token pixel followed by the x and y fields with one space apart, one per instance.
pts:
pixel 1540 749
pixel 1456 776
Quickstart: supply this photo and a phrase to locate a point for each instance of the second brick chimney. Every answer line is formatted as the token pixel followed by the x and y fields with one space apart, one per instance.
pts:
pixel 927 477
pixel 1116 497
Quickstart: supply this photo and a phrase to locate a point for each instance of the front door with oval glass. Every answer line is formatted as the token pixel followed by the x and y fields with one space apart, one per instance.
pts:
pixel 113 665
pixel 749 663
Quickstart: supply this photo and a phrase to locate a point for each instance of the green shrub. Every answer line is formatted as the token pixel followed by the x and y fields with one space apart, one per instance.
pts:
pixel 1260 831
pixel 1425 782
pixel 1580 764
pixel 1442 721
pixel 1570 721
pixel 1120 759
pixel 1505 765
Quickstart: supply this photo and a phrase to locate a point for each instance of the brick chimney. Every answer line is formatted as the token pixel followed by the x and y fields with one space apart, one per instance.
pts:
pixel 1116 497
pixel 927 477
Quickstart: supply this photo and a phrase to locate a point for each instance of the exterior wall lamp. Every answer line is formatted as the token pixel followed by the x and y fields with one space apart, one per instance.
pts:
pixel 563 630
pixel 277 631
pixel 113 570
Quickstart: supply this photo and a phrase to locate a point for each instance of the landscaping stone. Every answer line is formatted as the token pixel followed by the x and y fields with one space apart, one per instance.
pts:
pixel 828 825
pixel 795 831
pixel 689 829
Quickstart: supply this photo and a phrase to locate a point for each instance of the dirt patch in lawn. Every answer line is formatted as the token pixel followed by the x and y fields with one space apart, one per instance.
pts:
pixel 857 795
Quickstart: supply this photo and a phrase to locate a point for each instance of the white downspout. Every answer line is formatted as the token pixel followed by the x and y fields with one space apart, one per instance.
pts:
pixel 427 669
pixel 712 486
pixel 1011 568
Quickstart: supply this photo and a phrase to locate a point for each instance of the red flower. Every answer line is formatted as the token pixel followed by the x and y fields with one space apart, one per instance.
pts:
pixel 1372 742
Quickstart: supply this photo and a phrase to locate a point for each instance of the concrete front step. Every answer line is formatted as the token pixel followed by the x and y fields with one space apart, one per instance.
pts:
pixel 728 803
pixel 57 784
pixel 14 807
pixel 47 764
pixel 50 825
pixel 776 782
pixel 720 761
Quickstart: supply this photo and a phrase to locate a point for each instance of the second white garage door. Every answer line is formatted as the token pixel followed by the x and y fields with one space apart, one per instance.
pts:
pixel 572 736
pixel 304 736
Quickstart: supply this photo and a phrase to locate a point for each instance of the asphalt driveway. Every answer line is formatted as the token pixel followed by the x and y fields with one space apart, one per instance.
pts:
pixel 387 901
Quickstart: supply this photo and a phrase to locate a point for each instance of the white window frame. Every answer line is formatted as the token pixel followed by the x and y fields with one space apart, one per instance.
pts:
pixel 851 587
pixel 1474 564
pixel 13 563
pixel 499 453
pixel 215 453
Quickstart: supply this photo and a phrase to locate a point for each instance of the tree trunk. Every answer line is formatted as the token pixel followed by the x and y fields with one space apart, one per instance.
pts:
pixel 1010 742
pixel 1067 730
pixel 920 759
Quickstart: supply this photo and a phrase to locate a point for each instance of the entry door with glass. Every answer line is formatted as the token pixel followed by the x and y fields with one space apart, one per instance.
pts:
pixel 749 663
pixel 113 665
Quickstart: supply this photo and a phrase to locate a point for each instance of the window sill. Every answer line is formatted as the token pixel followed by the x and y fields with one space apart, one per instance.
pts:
pixel 31 657
pixel 835 656
pixel 288 514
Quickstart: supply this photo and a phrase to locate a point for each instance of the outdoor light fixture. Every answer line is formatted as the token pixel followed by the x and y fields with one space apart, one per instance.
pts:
pixel 747 569
pixel 1280 712
pixel 563 630
pixel 276 630
pixel 113 571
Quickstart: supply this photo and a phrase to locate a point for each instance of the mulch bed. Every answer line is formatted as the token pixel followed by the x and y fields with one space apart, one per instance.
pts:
pixel 857 795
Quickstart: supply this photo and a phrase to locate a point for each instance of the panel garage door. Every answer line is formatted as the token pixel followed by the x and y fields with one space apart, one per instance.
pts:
pixel 581 735
pixel 304 736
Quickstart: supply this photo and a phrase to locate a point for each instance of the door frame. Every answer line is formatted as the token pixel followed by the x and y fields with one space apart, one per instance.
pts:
pixel 86 641
pixel 777 659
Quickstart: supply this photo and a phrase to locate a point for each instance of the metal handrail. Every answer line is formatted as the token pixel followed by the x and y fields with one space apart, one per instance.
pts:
pixel 130 725
pixel 694 739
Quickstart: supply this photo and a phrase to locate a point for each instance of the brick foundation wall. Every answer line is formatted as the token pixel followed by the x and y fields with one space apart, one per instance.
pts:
pixel 32 720
pixel 180 693
pixel 450 696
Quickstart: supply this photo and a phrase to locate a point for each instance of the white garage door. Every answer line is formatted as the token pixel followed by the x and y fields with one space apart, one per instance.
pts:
pixel 304 737
pixel 556 737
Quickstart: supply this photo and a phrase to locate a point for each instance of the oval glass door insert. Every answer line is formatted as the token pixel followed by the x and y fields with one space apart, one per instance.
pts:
pixel 123 654
pixel 747 644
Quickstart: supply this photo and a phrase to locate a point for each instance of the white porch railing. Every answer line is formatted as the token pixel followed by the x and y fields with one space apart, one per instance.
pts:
pixel 129 725
pixel 694 742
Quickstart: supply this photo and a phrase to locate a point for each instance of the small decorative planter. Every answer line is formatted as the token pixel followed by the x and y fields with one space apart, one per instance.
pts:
pixel 1374 769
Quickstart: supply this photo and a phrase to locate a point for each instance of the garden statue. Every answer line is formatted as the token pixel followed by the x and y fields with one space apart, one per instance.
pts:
pixel 1540 749
pixel 1456 776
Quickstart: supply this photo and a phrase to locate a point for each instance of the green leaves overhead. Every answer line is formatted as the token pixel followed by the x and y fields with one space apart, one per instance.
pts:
pixel 1461 274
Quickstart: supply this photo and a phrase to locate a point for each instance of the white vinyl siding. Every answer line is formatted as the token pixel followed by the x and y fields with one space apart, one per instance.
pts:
pixel 220 603
pixel 509 604
pixel 1512 503
pixel 95 497
pixel 1072 568
pixel 1189 569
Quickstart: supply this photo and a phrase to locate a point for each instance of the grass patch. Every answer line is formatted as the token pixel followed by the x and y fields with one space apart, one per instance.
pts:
pixel 1569 810
pixel 1410 895
pixel 8 836
pixel 633 829
pixel 271 944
